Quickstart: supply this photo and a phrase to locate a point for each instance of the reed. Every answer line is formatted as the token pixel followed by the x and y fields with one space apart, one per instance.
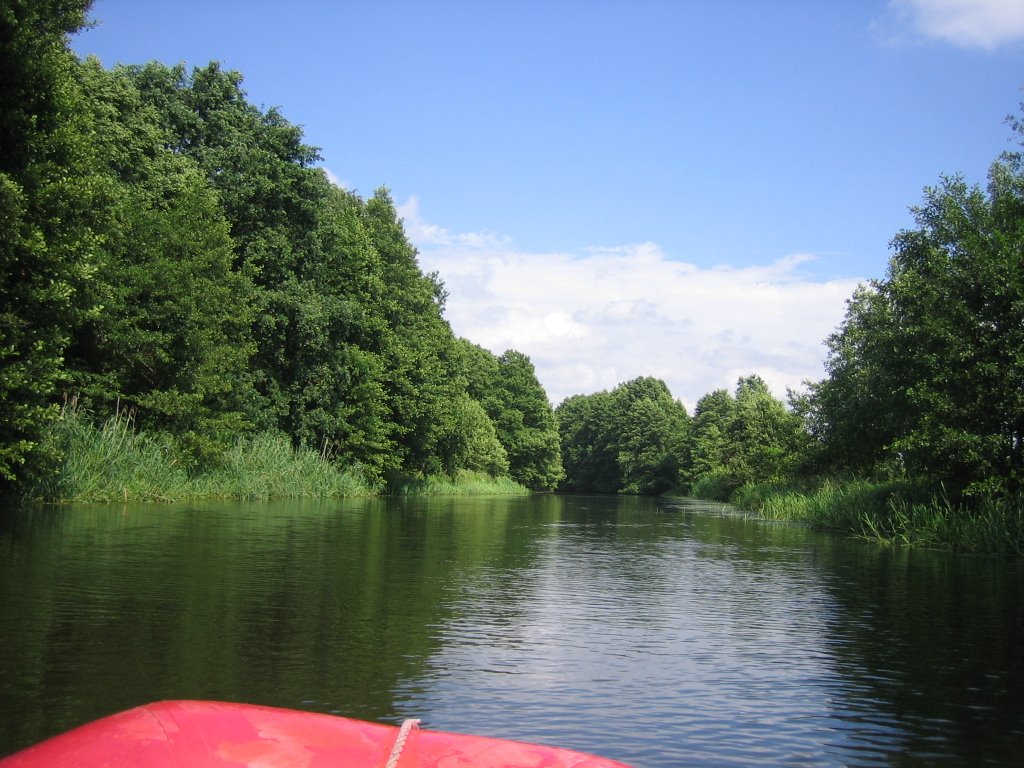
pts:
pixel 112 462
pixel 266 466
pixel 903 512
pixel 463 483
pixel 117 462
pixel 989 526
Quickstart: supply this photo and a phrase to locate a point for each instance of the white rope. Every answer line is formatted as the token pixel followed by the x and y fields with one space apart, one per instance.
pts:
pixel 403 734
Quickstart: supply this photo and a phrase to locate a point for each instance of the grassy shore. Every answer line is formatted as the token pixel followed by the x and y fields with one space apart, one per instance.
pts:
pixel 116 462
pixel 465 483
pixel 897 512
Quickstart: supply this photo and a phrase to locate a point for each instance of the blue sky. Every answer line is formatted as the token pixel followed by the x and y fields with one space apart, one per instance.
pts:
pixel 689 190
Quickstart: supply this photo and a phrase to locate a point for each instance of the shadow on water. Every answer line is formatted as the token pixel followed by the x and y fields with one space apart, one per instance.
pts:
pixel 930 644
pixel 659 632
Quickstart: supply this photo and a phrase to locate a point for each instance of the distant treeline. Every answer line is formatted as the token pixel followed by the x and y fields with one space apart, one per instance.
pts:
pixel 638 439
pixel 171 250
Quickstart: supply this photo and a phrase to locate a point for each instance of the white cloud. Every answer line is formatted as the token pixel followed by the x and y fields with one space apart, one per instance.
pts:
pixel 424 234
pixel 592 320
pixel 965 23
pixel 336 180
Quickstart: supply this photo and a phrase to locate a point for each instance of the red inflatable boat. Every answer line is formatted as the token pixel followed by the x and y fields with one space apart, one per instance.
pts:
pixel 207 734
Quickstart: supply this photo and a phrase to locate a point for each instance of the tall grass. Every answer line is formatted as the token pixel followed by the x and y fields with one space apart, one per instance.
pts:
pixel 117 462
pixel 464 483
pixel 991 526
pixel 903 512
pixel 267 466
pixel 112 462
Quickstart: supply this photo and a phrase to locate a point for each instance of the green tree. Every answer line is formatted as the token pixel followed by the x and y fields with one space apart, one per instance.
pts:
pixel 323 340
pixel 955 285
pixel 710 448
pixel 173 333
pixel 747 438
pixel 766 438
pixel 50 193
pixel 421 353
pixel 472 442
pixel 855 414
pixel 633 439
pixel 272 199
pixel 925 371
pixel 652 435
pixel 526 423
pixel 590 453
pixel 507 388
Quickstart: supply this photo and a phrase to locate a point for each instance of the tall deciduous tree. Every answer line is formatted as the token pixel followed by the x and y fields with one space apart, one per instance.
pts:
pixel 49 194
pixel 507 388
pixel 710 447
pixel 747 438
pixel 653 430
pixel 925 370
pixel 419 350
pixel 172 336
pixel 856 412
pixel 323 339
pixel 767 439
pixel 525 423
pixel 633 439
pixel 590 453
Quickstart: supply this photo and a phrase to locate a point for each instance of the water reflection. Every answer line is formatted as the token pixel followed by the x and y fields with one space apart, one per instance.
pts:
pixel 660 633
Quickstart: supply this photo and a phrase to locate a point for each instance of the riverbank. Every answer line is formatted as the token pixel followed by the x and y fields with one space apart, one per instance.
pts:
pixel 900 512
pixel 115 462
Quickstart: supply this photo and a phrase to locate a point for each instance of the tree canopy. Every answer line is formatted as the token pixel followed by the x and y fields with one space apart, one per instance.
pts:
pixel 170 248
pixel 630 440
pixel 925 371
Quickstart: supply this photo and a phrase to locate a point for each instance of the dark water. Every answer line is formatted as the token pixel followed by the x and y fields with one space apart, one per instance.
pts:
pixel 659 633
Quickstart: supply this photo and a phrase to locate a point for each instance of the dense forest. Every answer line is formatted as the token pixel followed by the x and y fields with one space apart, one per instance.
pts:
pixel 172 252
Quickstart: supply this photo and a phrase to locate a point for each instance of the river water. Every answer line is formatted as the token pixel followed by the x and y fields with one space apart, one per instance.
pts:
pixel 661 633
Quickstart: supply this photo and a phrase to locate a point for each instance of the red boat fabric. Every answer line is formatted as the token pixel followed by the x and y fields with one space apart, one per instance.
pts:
pixel 208 734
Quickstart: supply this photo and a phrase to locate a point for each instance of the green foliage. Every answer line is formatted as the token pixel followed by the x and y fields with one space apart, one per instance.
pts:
pixel 118 462
pixel 462 483
pixel 907 513
pixel 589 445
pixel 173 334
pixel 421 379
pixel 266 466
pixel 749 438
pixel 652 430
pixel 113 462
pixel 710 449
pixel 318 367
pixel 767 438
pixel 839 506
pixel 171 249
pixel 715 485
pixel 526 424
pixel 631 440
pixel 473 444
pixel 925 372
pixel 924 382
pixel 506 387
pixel 49 193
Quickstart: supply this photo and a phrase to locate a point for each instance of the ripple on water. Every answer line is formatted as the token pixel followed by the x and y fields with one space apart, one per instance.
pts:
pixel 695 657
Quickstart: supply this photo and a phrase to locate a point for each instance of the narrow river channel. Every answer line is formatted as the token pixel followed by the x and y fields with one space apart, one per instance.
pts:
pixel 661 633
